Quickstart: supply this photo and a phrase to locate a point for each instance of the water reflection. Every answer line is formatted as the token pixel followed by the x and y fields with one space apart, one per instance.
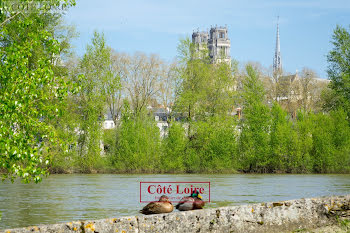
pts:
pixel 63 198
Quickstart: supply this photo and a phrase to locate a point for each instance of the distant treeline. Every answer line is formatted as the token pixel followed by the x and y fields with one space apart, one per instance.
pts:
pixel 273 134
pixel 265 140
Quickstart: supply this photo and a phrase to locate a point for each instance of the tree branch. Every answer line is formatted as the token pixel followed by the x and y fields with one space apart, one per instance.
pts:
pixel 10 18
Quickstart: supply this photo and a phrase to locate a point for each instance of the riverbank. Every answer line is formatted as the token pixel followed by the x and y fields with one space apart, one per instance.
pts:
pixel 174 172
pixel 285 216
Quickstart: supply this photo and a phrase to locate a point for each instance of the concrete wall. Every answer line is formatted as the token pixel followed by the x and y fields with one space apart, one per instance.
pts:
pixel 283 216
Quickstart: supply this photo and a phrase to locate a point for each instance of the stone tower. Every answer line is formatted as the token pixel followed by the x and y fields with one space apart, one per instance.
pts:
pixel 200 39
pixel 277 60
pixel 217 43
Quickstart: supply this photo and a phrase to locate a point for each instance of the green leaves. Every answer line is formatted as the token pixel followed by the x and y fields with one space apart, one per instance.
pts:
pixel 93 83
pixel 254 139
pixel 30 94
pixel 205 89
pixel 339 69
pixel 138 145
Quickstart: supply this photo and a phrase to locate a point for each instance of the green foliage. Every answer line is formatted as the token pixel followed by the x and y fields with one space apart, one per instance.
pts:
pixel 282 140
pixel 89 105
pixel 344 224
pixel 30 94
pixel 81 124
pixel 215 142
pixel 138 145
pixel 322 152
pixel 174 149
pixel 109 141
pixel 254 139
pixel 339 69
pixel 205 89
pixel 219 94
pixel 339 131
pixel 194 75
pixel 301 161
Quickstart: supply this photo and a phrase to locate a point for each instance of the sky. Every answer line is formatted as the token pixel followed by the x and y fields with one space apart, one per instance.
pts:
pixel 156 26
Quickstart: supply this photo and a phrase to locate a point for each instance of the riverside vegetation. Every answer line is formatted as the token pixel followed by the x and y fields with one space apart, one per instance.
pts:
pixel 56 124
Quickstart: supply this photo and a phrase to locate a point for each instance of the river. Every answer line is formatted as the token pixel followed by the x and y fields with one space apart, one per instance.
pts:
pixel 64 198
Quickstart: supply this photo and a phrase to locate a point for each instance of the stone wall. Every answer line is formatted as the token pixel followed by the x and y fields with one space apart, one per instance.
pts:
pixel 283 216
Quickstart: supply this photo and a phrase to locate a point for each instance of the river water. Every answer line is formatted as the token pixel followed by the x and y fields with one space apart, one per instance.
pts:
pixel 64 198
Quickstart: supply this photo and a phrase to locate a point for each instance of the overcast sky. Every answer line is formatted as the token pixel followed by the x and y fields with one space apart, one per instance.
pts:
pixel 155 26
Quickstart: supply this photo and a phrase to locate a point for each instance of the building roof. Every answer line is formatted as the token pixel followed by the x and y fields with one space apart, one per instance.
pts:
pixel 289 78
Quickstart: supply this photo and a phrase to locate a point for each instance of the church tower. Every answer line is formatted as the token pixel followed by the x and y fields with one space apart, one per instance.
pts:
pixel 277 61
pixel 217 43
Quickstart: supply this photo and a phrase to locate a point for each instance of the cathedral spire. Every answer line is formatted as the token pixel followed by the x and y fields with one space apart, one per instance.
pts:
pixel 277 61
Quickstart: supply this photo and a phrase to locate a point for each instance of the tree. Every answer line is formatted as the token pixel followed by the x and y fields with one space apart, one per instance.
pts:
pixel 341 141
pixel 205 89
pixel 215 145
pixel 339 69
pixel 309 94
pixel 279 139
pixel 219 90
pixel 323 151
pixel 193 71
pixel 254 138
pixel 174 148
pixel 141 79
pixel 113 86
pixel 302 154
pixel 28 89
pixel 166 93
pixel 138 143
pixel 274 85
pixel 91 101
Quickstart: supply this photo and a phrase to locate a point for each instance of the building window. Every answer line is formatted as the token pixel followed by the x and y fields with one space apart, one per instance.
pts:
pixel 222 35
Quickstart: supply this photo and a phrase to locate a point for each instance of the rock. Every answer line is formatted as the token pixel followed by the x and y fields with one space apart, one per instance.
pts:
pixel 287 216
